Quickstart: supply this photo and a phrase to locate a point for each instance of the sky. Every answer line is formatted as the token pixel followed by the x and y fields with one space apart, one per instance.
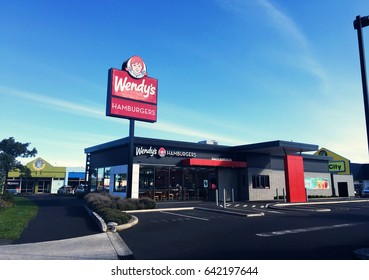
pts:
pixel 234 71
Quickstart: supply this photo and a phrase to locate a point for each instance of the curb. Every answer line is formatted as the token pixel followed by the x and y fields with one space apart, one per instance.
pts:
pixel 131 223
pixel 285 206
pixel 301 208
pixel 160 209
pixel 120 247
pixel 99 221
pixel 260 214
pixel 104 227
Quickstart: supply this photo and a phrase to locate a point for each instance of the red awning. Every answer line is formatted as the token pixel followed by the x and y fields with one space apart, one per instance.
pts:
pixel 213 162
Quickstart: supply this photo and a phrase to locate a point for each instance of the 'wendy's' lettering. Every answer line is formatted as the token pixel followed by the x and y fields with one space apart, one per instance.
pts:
pixel 121 85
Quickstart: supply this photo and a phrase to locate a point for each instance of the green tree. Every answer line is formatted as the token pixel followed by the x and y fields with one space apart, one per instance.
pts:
pixel 10 150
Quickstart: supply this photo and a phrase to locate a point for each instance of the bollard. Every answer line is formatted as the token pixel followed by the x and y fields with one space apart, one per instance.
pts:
pixel 217 197
pixel 232 194
pixel 224 199
pixel 277 194
pixel 284 196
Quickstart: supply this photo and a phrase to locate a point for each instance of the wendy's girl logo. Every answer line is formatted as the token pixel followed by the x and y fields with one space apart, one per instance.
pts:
pixel 162 152
pixel 136 67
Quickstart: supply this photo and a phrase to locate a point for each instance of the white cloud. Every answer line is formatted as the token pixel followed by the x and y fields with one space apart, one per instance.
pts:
pixel 55 103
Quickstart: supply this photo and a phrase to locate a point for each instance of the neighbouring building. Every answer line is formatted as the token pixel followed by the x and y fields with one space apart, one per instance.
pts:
pixel 45 178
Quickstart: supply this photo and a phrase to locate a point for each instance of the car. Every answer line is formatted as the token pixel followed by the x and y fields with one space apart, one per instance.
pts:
pixel 13 190
pixel 65 190
pixel 79 189
pixel 365 192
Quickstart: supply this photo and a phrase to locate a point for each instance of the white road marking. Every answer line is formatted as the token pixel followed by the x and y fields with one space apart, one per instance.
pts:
pixel 301 230
pixel 273 211
pixel 186 216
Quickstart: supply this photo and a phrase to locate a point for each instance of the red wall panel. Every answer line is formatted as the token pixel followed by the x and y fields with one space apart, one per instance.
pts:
pixel 295 182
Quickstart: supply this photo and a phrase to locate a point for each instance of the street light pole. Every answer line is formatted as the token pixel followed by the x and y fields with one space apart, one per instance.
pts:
pixel 359 23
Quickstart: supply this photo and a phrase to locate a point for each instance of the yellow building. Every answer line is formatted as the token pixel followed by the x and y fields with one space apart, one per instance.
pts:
pixel 339 165
pixel 45 178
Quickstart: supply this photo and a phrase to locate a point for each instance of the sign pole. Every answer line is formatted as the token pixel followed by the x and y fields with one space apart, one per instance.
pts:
pixel 130 157
pixel 359 23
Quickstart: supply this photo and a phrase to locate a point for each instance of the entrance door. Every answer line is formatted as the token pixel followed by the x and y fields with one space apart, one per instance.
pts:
pixel 343 189
pixel 44 186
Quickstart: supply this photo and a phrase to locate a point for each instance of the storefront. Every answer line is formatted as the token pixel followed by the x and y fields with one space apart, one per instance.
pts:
pixel 175 170
pixel 44 178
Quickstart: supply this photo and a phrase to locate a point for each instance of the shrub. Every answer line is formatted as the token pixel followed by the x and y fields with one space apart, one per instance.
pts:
pixel 99 202
pixel 146 203
pixel 114 215
pixel 6 200
pixel 125 205
pixel 96 201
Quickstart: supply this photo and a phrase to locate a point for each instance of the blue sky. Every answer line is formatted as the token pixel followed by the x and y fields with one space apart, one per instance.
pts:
pixel 234 71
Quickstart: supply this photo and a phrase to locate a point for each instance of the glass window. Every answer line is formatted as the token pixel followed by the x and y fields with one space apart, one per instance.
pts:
pixel 260 182
pixel 175 177
pixel 100 179
pixel 120 182
pixel 162 177
pixel 146 178
pixel 106 178
pixel 93 179
pixel 189 178
pixel 203 181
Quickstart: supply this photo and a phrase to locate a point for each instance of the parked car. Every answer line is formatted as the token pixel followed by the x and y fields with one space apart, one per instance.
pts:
pixel 79 189
pixel 365 192
pixel 65 190
pixel 13 190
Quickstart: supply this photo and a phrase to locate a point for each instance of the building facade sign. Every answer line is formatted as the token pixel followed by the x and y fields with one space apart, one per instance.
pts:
pixel 337 166
pixel 162 152
pixel 131 93
pixel 316 183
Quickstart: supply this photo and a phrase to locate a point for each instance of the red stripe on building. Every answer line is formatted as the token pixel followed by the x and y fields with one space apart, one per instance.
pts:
pixel 212 162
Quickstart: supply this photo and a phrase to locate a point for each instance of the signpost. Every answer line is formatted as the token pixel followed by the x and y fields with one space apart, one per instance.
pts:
pixel 132 95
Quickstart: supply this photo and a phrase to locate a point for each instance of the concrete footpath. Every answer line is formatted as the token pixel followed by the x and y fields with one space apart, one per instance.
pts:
pixel 102 246
pixel 63 230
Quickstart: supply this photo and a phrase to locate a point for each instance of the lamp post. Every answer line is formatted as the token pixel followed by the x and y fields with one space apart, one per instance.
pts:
pixel 359 23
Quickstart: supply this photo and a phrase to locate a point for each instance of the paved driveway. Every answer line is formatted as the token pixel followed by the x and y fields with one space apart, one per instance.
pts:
pixel 59 217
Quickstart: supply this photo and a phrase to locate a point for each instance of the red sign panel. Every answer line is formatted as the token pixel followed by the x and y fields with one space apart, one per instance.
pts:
pixel 123 85
pixel 126 108
pixel 131 93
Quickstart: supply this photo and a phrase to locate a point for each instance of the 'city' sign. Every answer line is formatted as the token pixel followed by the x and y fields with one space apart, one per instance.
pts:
pixel 337 166
pixel 131 93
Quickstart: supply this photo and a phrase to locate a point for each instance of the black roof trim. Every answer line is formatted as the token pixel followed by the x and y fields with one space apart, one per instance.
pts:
pixel 277 147
pixel 157 142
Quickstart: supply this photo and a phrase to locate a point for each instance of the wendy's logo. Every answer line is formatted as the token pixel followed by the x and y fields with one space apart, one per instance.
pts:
pixel 136 67
pixel 162 152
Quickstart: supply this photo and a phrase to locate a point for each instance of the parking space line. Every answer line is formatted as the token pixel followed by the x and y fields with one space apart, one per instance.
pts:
pixel 186 216
pixel 301 230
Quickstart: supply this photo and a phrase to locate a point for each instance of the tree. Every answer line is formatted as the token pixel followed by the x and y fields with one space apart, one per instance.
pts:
pixel 10 150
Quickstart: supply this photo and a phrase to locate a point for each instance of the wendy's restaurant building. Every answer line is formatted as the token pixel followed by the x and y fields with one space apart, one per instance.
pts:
pixel 176 170
pixel 168 170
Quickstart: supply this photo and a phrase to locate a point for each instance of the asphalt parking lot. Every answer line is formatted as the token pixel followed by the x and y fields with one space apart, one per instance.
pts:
pixel 308 232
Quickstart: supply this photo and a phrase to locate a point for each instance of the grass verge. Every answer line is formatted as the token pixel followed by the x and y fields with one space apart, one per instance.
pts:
pixel 14 219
